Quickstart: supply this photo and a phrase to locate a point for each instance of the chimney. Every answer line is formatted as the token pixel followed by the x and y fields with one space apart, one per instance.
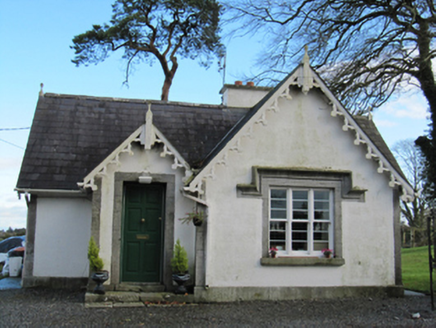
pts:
pixel 242 96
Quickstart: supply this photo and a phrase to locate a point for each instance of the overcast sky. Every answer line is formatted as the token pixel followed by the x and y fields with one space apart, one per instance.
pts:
pixel 35 37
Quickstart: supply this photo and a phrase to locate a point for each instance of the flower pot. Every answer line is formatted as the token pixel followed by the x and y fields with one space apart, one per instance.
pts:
pixel 99 278
pixel 181 280
pixel 197 222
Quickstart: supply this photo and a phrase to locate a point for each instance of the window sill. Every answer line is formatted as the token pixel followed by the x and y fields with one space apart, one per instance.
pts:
pixel 301 261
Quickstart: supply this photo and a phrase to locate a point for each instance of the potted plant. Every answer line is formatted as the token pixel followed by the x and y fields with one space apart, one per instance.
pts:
pixel 196 217
pixel 179 266
pixel 273 252
pixel 96 266
pixel 327 252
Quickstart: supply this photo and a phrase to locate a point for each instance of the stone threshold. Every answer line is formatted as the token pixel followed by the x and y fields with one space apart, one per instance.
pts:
pixel 121 299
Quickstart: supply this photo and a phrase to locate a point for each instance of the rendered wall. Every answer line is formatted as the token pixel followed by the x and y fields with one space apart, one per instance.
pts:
pixel 153 164
pixel 302 134
pixel 63 229
pixel 243 96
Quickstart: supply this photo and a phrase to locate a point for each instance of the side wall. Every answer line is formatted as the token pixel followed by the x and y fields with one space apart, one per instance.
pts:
pixel 58 247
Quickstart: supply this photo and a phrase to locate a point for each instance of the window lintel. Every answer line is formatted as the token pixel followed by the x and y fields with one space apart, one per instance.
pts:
pixel 305 176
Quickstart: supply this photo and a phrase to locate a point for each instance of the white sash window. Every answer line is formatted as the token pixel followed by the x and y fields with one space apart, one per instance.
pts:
pixel 301 221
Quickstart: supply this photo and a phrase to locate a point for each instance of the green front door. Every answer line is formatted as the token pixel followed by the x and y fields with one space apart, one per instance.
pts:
pixel 142 233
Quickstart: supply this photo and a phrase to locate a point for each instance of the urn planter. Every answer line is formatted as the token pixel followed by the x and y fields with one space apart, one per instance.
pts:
pixel 181 280
pixel 99 278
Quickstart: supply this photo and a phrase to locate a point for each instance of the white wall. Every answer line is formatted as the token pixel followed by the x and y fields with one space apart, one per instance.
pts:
pixel 63 229
pixel 150 161
pixel 234 96
pixel 302 134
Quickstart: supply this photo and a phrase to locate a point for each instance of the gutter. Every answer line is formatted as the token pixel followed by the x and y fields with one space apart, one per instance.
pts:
pixel 49 192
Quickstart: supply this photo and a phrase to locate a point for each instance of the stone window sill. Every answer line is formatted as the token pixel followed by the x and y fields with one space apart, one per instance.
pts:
pixel 301 261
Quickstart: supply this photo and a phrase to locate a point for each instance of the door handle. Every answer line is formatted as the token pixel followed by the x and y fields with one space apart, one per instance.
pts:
pixel 142 220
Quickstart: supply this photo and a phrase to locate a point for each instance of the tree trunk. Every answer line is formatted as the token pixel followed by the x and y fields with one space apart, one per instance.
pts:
pixel 426 79
pixel 169 74
pixel 166 87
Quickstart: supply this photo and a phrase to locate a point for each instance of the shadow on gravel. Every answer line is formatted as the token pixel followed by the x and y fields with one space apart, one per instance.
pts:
pixel 49 308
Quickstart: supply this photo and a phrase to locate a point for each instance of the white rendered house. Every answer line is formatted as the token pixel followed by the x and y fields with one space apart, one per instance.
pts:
pixel 285 168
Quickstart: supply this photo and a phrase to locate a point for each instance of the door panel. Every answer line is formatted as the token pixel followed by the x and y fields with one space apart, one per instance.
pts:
pixel 142 233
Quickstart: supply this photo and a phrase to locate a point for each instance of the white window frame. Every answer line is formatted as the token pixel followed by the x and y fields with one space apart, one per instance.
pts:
pixel 310 221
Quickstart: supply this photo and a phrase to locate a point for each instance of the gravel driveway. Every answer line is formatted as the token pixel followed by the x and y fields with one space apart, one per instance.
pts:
pixel 48 308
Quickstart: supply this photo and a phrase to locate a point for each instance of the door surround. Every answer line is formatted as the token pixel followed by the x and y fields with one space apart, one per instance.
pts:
pixel 168 225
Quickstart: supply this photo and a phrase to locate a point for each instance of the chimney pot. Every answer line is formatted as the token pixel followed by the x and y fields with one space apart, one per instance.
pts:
pixel 250 84
pixel 238 82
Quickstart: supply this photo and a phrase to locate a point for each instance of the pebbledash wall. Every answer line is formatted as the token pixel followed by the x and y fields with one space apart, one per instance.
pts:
pixel 300 139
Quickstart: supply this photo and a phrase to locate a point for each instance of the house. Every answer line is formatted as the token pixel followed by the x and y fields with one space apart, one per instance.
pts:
pixel 286 168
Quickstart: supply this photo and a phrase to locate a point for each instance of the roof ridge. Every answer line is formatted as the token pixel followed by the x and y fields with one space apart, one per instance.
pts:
pixel 133 100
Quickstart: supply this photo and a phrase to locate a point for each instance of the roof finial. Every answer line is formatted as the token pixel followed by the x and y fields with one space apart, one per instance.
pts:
pixel 41 92
pixel 306 58
pixel 150 136
pixel 305 78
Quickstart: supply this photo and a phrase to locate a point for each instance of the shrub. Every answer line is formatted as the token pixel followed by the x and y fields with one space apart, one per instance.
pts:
pixel 179 262
pixel 95 262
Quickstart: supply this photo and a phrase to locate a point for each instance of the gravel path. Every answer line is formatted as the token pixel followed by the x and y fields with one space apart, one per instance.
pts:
pixel 48 308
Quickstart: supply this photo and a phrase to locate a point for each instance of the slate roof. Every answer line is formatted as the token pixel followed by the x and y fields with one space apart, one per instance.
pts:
pixel 71 135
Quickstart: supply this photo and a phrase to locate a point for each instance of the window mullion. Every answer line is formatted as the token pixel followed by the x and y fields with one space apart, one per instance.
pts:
pixel 289 222
pixel 332 222
pixel 310 218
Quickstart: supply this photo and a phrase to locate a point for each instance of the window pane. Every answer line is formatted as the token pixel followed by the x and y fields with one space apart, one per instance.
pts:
pixel 299 235
pixel 299 205
pixel 322 194
pixel 280 245
pixel 299 194
pixel 299 226
pixel 277 235
pixel 299 246
pixel 320 226
pixel 281 226
pixel 278 193
pixel 299 215
pixel 321 236
pixel 322 205
pixel 278 214
pixel 322 215
pixel 278 203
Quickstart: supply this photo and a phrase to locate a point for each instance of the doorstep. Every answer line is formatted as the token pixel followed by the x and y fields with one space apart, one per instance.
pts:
pixel 135 299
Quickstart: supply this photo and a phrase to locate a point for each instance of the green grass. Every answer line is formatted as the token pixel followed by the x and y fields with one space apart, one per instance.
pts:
pixel 415 269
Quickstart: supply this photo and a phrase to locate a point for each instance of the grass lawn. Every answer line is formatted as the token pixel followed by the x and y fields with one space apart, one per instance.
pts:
pixel 415 269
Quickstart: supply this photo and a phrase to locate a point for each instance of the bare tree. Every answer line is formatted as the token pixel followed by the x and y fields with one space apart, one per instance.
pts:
pixel 367 49
pixel 154 29
pixel 411 160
